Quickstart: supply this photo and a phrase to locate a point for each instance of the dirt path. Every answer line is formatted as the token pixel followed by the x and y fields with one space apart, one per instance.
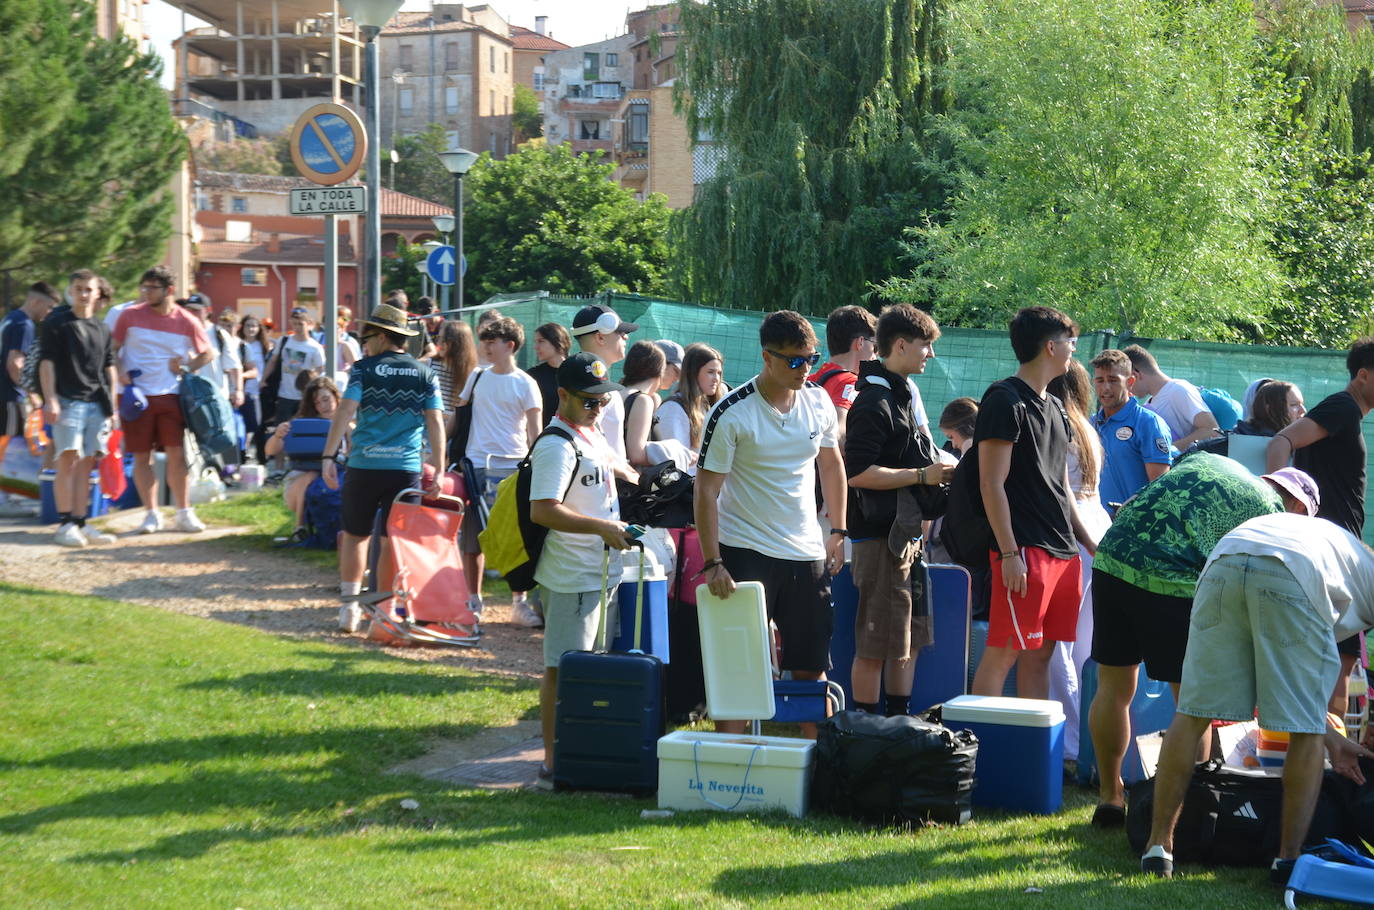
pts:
pixel 215 576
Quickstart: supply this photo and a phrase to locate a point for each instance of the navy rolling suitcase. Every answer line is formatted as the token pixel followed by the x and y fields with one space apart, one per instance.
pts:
pixel 609 716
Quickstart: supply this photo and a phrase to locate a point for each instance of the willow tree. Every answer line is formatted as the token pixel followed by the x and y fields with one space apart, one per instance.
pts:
pixel 814 111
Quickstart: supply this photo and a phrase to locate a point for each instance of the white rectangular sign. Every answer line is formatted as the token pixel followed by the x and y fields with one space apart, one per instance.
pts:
pixel 329 200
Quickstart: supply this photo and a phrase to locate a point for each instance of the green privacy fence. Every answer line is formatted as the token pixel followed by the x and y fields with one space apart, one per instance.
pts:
pixel 966 361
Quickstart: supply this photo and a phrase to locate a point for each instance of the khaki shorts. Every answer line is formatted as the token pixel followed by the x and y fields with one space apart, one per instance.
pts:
pixel 884 628
pixel 1256 640
pixel 570 622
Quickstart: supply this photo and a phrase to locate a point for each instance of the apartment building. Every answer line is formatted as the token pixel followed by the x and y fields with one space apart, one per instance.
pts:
pixel 583 88
pixel 530 47
pixel 452 65
pixel 114 17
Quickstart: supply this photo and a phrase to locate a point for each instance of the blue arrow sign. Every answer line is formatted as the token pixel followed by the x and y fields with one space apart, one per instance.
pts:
pixel 440 265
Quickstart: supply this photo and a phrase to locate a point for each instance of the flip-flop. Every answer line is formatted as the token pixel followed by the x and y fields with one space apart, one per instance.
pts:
pixel 1108 816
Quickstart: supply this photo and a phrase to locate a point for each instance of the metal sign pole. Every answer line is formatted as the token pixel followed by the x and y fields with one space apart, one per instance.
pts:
pixel 331 295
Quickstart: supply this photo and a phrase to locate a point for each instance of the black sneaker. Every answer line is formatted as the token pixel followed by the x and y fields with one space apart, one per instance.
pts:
pixel 1280 871
pixel 543 778
pixel 1108 816
pixel 1157 862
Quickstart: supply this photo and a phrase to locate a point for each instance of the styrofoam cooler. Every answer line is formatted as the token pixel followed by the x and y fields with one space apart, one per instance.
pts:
pixel 655 588
pixel 1020 750
pixel 734 772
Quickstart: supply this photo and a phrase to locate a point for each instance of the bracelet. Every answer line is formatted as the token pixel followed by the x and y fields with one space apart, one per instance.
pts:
pixel 921 475
pixel 1002 557
pixel 710 564
pixel 843 532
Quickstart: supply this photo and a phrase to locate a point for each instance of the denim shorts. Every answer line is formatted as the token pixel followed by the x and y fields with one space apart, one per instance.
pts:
pixel 81 427
pixel 1256 640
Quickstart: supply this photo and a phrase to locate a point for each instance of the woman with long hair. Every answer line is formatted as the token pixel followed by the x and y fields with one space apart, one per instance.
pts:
pixel 319 399
pixel 683 415
pixel 643 370
pixel 454 358
pixel 1277 404
pixel 552 345
pixel 1074 389
pixel 254 351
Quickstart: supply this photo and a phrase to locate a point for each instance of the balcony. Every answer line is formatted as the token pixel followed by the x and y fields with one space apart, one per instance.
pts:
pixel 604 106
pixel 592 145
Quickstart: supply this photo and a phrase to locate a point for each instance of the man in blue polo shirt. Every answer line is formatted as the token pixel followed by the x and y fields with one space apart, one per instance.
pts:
pixel 1134 438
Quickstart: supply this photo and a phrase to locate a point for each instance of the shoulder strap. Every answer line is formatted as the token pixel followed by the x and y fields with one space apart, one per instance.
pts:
pixel 552 430
pixel 828 375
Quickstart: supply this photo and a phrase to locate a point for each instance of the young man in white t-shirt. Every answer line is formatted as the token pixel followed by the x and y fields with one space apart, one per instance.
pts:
pixel 572 493
pixel 295 353
pixel 1179 402
pixel 506 417
pixel 601 332
pixel 756 500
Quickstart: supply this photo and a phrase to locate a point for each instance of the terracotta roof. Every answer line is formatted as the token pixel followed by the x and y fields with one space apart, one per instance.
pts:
pixel 400 205
pixel 250 182
pixel 525 39
pixel 411 23
pixel 294 248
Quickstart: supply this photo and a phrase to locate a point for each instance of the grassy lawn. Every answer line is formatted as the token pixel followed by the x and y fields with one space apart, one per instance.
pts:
pixel 157 760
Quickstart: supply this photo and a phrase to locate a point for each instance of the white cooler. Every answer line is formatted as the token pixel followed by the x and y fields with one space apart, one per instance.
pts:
pixel 734 772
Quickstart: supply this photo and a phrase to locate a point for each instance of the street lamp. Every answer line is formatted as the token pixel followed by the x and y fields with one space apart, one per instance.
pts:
pixel 370 16
pixel 458 163
pixel 444 225
pixel 428 246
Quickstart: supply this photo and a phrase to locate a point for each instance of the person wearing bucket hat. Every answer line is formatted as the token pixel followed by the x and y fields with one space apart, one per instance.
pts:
pixel 600 331
pixel 573 494
pixel 1276 594
pixel 396 402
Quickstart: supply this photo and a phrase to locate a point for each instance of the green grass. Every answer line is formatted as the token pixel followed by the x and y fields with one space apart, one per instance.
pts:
pixel 157 760
pixel 265 516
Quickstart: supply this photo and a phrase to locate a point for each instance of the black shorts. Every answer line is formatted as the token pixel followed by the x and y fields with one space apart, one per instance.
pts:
pixel 1131 625
pixel 797 594
pixel 365 491
pixel 1349 647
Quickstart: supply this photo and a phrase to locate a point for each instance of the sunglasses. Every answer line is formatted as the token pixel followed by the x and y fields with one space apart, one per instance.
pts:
pixel 368 336
pixel 796 363
pixel 592 404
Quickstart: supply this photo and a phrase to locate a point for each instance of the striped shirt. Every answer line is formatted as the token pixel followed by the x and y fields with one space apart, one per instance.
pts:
pixel 148 340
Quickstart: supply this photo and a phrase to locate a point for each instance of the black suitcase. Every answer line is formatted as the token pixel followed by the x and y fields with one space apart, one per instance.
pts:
pixel 609 717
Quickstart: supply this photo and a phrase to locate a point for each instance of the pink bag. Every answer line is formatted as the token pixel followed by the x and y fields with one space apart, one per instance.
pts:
pixel 690 562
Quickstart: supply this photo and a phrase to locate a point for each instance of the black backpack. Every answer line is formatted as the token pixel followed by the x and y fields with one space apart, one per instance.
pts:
pixel 893 770
pixel 663 498
pixel 965 532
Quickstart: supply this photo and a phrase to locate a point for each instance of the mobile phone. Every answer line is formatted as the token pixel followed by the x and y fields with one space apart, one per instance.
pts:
pixel 634 532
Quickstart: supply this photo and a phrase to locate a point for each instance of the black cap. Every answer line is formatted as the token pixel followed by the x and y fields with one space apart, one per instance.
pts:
pixel 197 300
pixel 599 318
pixel 585 372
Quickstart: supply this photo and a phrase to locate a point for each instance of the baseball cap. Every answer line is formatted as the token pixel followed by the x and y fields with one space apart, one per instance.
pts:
pixel 672 351
pixel 584 372
pixel 599 318
pixel 391 318
pixel 1299 485
pixel 197 301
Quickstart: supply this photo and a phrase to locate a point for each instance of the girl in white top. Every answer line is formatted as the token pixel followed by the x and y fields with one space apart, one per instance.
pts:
pixel 1074 388
pixel 702 384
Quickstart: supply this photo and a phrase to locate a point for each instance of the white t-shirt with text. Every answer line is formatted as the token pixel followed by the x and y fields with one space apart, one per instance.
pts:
pixel 571 563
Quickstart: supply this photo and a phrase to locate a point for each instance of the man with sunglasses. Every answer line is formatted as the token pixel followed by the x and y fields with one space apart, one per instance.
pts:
pixel 755 496
pixel 572 493
pixel 601 332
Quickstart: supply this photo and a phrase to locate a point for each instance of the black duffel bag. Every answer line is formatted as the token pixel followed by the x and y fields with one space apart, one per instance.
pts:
pixel 1232 816
pixel 893 770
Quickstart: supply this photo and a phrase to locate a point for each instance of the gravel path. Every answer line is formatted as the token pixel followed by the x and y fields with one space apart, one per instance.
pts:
pixel 214 575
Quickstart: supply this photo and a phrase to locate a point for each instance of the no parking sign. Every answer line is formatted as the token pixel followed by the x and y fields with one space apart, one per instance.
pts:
pixel 328 144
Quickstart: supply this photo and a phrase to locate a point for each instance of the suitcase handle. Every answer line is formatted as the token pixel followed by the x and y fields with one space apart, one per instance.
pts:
pixel 601 643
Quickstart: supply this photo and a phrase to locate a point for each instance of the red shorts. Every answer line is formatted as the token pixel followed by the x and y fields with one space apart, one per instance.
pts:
pixel 161 425
pixel 1049 609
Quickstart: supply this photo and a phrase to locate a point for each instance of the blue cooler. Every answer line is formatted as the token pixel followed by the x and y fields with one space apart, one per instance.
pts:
pixel 97 503
pixel 655 589
pixel 1020 750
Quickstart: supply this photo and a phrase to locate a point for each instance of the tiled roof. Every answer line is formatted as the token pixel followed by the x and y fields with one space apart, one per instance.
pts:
pixel 250 182
pixel 525 39
pixel 294 248
pixel 400 205
pixel 410 23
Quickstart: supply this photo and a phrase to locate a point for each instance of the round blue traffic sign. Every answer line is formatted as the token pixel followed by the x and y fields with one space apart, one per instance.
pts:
pixel 328 144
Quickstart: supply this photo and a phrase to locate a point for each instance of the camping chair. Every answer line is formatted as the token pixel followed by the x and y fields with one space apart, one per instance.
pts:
pixel 799 701
pixel 425 600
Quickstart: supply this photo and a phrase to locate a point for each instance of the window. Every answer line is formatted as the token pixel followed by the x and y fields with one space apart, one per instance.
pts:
pixel 507 61
pixel 612 59
pixel 591 67
pixel 406 62
pixel 539 80
pixel 491 103
pixel 575 91
pixel 254 278
pixel 590 129
pixel 508 105
pixel 639 126
pixel 450 99
pixel 405 100
pixel 606 90
pixel 307 282
pixel 238 205
pixel 491 53
pixel 451 56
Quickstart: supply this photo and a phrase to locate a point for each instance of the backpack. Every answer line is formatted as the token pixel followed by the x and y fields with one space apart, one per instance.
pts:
pixel 462 425
pixel 511 541
pixel 663 498
pixel 1224 408
pixel 323 514
pixel 208 415
pixel 964 531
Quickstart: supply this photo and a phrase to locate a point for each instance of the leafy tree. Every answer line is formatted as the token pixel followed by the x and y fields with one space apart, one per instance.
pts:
pixel 89 146
pixel 402 271
pixel 527 116
pixel 548 218
pixel 1108 160
pixel 817 107
pixel 421 172
pixel 241 156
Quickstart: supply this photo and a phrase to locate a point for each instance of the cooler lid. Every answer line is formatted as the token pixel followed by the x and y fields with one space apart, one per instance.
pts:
pixel 998 709
pixel 736 749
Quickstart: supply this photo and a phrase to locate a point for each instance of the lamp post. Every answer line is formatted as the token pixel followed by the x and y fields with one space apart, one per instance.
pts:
pixel 444 225
pixel 458 163
pixel 370 16
pixel 428 246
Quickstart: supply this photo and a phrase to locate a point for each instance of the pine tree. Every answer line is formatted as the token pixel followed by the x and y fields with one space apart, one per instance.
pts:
pixel 817 108
pixel 87 147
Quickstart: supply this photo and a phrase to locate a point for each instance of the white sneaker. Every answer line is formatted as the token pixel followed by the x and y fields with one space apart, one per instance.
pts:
pixel 524 615
pixel 69 535
pixel 152 523
pixel 187 521
pixel 97 536
pixel 350 617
